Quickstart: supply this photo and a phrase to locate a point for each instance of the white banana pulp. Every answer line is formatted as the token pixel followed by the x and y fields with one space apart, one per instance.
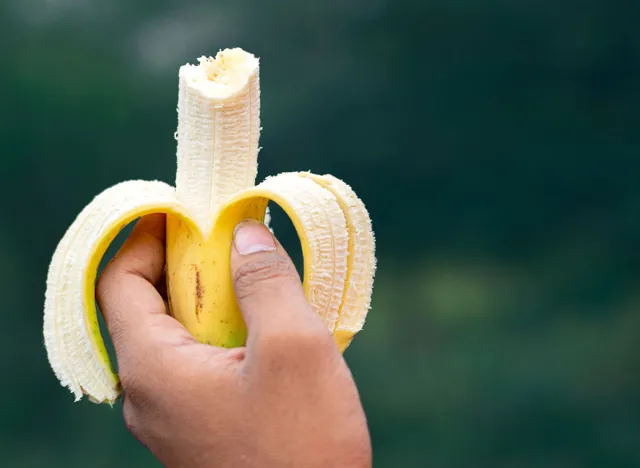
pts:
pixel 218 133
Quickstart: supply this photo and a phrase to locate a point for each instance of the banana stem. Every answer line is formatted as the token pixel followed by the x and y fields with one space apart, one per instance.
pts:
pixel 218 131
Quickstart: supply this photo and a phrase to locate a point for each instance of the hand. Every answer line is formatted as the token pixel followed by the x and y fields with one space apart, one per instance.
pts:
pixel 287 399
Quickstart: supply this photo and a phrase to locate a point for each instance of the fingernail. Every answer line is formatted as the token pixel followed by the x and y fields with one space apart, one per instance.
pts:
pixel 251 236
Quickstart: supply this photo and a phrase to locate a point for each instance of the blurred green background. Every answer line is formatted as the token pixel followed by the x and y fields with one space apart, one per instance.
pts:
pixel 495 144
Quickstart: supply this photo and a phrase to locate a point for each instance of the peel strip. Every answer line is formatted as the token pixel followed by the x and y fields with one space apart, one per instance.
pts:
pixel 72 335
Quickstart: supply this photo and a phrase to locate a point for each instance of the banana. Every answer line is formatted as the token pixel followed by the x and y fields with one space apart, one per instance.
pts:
pixel 217 149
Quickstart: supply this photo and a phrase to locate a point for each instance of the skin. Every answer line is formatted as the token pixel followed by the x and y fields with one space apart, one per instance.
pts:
pixel 287 399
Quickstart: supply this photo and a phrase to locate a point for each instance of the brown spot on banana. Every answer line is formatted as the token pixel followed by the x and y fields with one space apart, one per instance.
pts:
pixel 199 293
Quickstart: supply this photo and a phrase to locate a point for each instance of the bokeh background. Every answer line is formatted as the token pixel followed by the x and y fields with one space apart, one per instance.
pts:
pixel 495 144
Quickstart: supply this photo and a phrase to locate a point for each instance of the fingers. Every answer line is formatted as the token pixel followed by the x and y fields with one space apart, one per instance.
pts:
pixel 267 285
pixel 126 290
pixel 143 253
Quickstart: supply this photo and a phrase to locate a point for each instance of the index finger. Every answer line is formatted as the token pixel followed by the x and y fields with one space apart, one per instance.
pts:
pixel 126 292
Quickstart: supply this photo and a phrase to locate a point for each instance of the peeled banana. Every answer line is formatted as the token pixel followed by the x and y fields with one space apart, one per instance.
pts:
pixel 217 136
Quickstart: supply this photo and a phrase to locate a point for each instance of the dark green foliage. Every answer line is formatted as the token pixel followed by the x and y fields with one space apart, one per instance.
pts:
pixel 495 143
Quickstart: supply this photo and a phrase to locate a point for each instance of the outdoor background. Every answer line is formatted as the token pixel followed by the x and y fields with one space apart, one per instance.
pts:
pixel 495 144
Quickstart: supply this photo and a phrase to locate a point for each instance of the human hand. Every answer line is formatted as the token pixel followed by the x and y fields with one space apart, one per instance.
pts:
pixel 287 399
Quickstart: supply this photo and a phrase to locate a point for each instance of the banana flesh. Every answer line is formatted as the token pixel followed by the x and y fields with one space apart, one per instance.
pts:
pixel 218 132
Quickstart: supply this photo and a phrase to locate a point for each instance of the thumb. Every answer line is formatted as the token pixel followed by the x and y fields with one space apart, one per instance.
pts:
pixel 267 286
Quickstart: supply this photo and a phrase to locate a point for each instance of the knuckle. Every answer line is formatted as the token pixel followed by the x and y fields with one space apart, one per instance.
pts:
pixel 128 415
pixel 263 274
pixel 143 373
pixel 132 386
pixel 116 331
pixel 136 386
pixel 136 421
